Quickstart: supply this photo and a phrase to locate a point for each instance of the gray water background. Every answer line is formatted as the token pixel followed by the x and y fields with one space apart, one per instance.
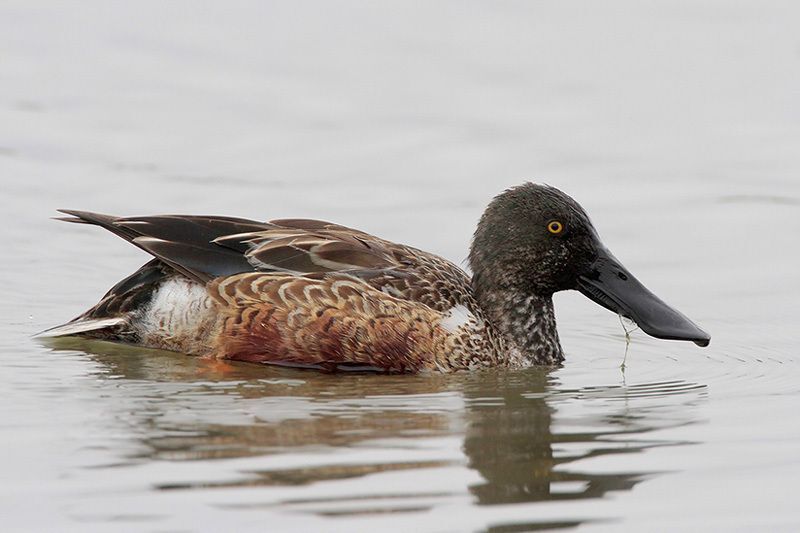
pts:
pixel 676 125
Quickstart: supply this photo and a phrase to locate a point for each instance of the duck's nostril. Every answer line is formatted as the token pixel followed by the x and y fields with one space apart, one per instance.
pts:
pixel 622 276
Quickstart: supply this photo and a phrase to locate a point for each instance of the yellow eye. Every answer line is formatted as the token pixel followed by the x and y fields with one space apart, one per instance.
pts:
pixel 555 227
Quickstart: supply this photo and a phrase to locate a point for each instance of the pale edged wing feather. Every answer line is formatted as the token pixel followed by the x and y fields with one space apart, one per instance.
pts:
pixel 306 252
pixel 310 224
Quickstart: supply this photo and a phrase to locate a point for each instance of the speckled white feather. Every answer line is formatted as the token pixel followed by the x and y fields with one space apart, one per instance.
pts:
pixel 456 317
pixel 178 308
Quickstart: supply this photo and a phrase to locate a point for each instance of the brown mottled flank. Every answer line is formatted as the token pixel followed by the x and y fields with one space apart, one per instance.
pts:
pixel 335 320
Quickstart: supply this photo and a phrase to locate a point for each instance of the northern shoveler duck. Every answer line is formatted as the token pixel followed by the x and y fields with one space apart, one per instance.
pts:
pixel 314 294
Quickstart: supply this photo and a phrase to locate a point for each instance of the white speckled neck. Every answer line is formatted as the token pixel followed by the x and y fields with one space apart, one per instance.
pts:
pixel 527 323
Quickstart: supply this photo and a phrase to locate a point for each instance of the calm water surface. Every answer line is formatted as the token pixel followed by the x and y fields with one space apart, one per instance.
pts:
pixel 676 124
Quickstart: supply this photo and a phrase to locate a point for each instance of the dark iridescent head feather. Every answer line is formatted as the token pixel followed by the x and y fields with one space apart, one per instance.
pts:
pixel 512 249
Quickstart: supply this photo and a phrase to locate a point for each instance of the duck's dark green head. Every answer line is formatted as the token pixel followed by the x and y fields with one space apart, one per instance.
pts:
pixel 535 240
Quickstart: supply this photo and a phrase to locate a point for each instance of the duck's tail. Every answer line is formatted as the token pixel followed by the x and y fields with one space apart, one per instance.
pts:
pixel 114 316
pixel 183 248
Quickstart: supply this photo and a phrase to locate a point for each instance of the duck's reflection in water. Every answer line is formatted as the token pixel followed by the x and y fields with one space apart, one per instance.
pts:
pixel 510 441
pixel 197 410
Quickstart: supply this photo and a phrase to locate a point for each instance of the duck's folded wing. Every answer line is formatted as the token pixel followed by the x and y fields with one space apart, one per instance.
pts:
pixel 311 247
pixel 207 247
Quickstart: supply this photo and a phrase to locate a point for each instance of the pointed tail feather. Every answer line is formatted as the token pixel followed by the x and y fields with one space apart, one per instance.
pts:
pixel 97 219
pixel 79 326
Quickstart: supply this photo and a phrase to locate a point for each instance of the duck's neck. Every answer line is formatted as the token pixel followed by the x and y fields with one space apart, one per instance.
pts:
pixel 527 323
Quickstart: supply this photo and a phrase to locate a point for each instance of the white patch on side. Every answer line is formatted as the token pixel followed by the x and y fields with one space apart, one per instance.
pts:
pixel 456 317
pixel 82 326
pixel 178 307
